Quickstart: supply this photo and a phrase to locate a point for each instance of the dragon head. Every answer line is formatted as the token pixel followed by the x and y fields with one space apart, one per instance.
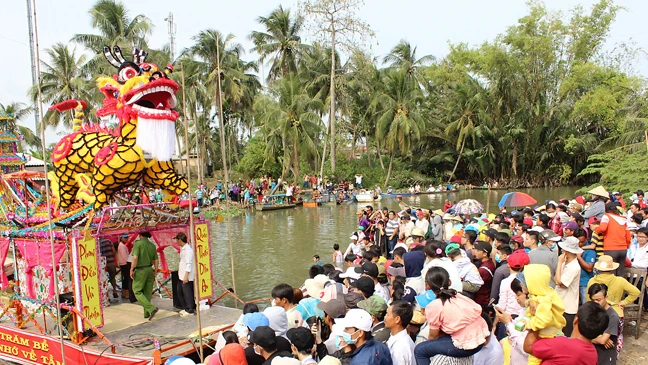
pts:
pixel 142 92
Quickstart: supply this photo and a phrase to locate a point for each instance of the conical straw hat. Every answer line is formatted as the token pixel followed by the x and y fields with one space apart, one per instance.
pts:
pixel 600 191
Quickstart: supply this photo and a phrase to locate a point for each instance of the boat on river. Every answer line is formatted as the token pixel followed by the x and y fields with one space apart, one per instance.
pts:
pixel 393 195
pixel 367 198
pixel 487 188
pixel 275 202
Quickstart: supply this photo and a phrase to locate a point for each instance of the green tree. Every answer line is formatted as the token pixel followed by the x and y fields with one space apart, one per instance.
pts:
pixel 17 112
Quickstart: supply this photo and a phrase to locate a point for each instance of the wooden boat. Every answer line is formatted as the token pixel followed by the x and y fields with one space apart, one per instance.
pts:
pixel 366 198
pixel 276 202
pixel 484 188
pixel 312 204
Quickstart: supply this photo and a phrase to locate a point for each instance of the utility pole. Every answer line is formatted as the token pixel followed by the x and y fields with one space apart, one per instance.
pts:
pixel 172 32
pixel 33 59
pixel 221 123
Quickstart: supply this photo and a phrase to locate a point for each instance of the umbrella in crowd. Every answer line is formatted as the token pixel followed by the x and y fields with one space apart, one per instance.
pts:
pixel 516 199
pixel 469 206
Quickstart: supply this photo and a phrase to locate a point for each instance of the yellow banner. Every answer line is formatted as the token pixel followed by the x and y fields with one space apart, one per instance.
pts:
pixel 89 270
pixel 203 254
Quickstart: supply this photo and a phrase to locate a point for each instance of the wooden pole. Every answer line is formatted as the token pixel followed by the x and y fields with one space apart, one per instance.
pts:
pixel 192 236
pixel 488 200
pixel 221 123
pixel 39 102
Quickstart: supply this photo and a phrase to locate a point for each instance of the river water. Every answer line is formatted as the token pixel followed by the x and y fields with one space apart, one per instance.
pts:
pixel 278 246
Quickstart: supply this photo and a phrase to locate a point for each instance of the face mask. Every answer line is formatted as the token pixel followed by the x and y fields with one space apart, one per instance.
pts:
pixel 274 302
pixel 497 258
pixel 553 247
pixel 347 338
pixel 338 343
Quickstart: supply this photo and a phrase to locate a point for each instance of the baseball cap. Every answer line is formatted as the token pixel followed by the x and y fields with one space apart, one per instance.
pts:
pixel 517 239
pixel 409 295
pixel 528 221
pixel 518 259
pixel 571 226
pixel 256 319
pixel 365 285
pixel 550 235
pixel 355 318
pixel 370 269
pixel 335 308
pixel 491 232
pixel 265 337
pixel 426 298
pixel 374 305
pixel 593 220
pixel 352 299
pixel 353 272
pixel 301 338
pixel 451 247
pixel 396 269
pixel 570 244
pixel 483 246
pixel 353 237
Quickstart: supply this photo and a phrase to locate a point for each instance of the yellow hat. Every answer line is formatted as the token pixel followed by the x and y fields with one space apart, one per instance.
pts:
pixel 600 191
pixel 606 263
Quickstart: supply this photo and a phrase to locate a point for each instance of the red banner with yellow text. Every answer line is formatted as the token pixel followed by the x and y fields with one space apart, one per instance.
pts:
pixel 30 348
pixel 203 255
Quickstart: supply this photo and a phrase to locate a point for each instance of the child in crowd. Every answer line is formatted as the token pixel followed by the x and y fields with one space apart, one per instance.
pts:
pixel 282 296
pixel 596 240
pixel 338 257
pixel 568 278
pixel 546 309
pixel 516 335
pixel 605 343
pixel 471 281
pixel 239 327
pixel 586 261
pixel 591 321
pixel 457 328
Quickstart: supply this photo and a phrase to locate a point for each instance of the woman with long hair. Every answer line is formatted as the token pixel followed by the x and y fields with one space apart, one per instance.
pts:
pixel 457 328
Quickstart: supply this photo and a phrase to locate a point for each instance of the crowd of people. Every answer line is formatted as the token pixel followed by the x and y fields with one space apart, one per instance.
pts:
pixel 540 285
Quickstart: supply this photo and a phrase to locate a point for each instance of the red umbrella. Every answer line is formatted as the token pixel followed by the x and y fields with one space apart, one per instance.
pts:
pixel 516 199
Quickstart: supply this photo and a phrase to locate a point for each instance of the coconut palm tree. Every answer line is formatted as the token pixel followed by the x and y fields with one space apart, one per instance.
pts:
pixel 403 55
pixel 291 119
pixel 280 43
pixel 116 28
pixel 62 78
pixel 399 123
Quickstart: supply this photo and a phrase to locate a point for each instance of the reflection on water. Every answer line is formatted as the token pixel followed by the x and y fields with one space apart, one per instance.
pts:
pixel 278 246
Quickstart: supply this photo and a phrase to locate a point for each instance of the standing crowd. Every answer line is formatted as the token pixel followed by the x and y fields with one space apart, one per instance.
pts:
pixel 547 284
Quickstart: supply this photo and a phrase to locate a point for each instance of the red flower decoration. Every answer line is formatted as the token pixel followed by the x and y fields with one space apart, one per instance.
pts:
pixel 106 154
pixel 62 148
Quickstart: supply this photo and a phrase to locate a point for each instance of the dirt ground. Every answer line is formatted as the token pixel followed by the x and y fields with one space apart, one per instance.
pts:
pixel 635 351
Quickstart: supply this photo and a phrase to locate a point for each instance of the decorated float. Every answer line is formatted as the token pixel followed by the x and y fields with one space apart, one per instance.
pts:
pixel 55 306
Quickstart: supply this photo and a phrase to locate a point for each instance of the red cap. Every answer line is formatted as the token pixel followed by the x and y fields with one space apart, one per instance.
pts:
pixel 580 200
pixel 528 222
pixel 517 259
pixel 455 239
pixel 593 220
pixel 517 238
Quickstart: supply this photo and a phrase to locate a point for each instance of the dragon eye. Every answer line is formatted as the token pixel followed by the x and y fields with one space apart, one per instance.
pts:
pixel 127 73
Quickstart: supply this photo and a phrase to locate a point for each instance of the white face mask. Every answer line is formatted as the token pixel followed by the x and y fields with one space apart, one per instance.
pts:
pixel 256 351
pixel 274 302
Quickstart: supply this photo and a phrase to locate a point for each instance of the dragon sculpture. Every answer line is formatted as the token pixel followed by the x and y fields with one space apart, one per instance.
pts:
pixel 138 149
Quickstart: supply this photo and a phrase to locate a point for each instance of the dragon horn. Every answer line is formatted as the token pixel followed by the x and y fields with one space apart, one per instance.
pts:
pixel 110 57
pixel 142 56
pixel 118 54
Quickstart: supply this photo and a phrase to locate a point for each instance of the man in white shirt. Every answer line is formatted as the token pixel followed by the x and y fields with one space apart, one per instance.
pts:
pixel 401 346
pixel 186 274
pixel 567 280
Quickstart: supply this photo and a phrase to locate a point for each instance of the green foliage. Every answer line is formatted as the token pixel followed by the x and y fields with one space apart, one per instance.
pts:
pixel 616 170
pixel 254 162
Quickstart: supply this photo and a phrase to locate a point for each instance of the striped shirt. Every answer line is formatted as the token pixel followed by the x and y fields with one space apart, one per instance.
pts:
pixel 596 239
pixel 391 226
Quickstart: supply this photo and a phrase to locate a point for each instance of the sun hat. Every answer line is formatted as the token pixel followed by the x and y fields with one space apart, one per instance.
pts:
pixel 356 318
pixel 254 320
pixel 374 305
pixel 447 216
pixel 457 218
pixel 353 272
pixel 426 298
pixel 518 259
pixel 438 212
pixel 417 232
pixel 335 308
pixel 537 229
pixel 606 263
pixel 315 286
pixel 471 227
pixel 570 244
pixel 418 318
pixel 599 191
pixel 576 206
pixel 330 360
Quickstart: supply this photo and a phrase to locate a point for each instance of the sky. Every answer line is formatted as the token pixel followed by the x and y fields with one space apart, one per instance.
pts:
pixel 428 24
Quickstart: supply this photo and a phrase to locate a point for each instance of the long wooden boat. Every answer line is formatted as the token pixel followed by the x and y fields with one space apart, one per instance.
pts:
pixel 393 195
pixel 276 202
pixel 483 188
pixel 367 198
pixel 268 207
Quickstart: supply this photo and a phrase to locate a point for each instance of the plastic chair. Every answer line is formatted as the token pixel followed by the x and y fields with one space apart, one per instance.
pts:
pixel 634 312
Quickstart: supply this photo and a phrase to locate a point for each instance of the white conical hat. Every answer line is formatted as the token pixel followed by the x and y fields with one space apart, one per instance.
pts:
pixel 600 191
